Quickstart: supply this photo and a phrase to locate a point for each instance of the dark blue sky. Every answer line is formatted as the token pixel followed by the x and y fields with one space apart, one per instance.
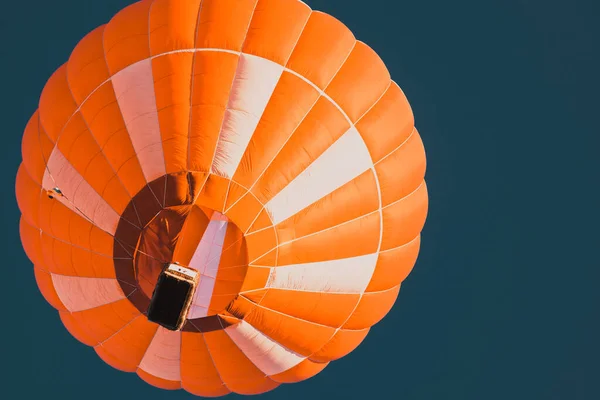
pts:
pixel 504 300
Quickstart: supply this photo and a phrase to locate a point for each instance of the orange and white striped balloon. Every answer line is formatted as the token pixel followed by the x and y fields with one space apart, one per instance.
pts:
pixel 256 141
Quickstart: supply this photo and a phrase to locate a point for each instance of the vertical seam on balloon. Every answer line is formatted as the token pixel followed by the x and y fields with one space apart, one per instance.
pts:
pixel 156 106
pixel 241 351
pixel 210 354
pixel 299 36
pixel 269 164
pixel 229 97
pixel 194 55
pixel 146 351
pixel 191 207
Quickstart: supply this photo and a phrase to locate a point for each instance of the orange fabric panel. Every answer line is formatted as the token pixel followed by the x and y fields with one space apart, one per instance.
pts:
pixel 356 198
pixel 173 25
pixel 238 373
pixel 44 216
pixel 306 369
pixel 323 125
pixel 158 382
pixel 290 102
pixel 223 294
pixel 126 36
pixel 256 278
pixel 100 241
pixel 343 342
pixel 245 211
pixel 394 265
pixel 319 60
pixel 35 149
pixel 46 286
pixel 368 77
pixel 260 243
pixel 356 238
pixel 303 337
pixel 28 195
pixel 232 269
pixel 392 114
pixel 199 375
pixel 403 220
pixel 172 76
pixel 372 308
pixel 103 322
pixel 234 194
pixel 126 349
pixel 402 171
pixel 87 69
pixel 104 120
pixel 75 329
pixel 329 309
pixel 213 76
pixel 262 221
pixel 63 258
pixel 30 239
pixel 223 23
pixel 235 274
pixel 194 227
pixel 77 230
pixel 56 103
pixel 58 256
pixel 213 192
pixel 90 264
pixel 234 251
pixel 58 214
pixel 275 29
pixel 78 145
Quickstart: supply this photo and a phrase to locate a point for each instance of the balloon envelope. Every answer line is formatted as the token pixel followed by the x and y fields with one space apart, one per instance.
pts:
pixel 258 145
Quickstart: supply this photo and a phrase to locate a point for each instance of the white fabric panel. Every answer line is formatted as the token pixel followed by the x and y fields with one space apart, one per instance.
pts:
pixel 78 293
pixel 79 194
pixel 162 356
pixel 207 256
pixel 348 275
pixel 197 312
pixel 206 260
pixel 204 291
pixel 346 159
pixel 253 85
pixel 134 88
pixel 268 356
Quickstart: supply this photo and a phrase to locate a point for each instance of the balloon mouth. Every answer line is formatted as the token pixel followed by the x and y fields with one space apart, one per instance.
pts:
pixel 180 227
pixel 172 296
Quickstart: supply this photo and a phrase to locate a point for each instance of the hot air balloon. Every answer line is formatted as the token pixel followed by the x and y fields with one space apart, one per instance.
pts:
pixel 221 195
